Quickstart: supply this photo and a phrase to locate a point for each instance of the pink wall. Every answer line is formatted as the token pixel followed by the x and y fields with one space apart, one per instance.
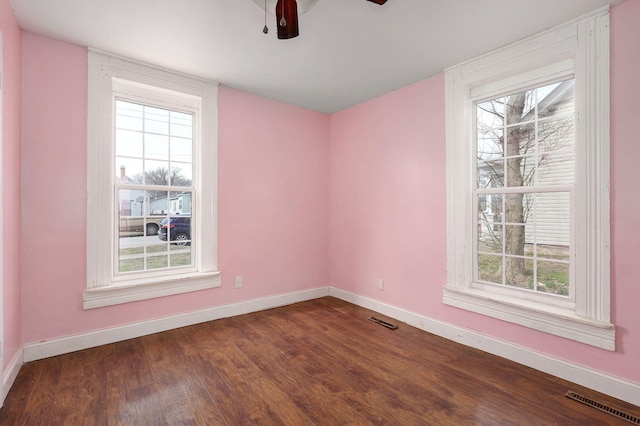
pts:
pixel 273 193
pixel 625 203
pixel 11 137
pixel 387 208
pixel 388 195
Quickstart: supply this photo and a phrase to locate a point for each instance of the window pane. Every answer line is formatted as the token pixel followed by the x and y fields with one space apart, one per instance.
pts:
pixel 159 202
pixel 490 144
pixel 131 203
pixel 514 175
pixel 528 170
pixel 157 260
pixel 180 255
pixel 528 206
pixel 490 268
pixel 156 120
pixel 553 277
pixel 490 238
pixel 490 223
pixel 556 152
pixel 556 133
pixel 128 170
pixel 156 172
pixel 523 138
pixel 520 107
pixel 556 169
pixel 514 206
pixel 180 203
pixel 128 143
pixel 156 146
pixel 490 114
pixel 181 150
pixel 490 208
pixel 553 219
pixel 182 126
pixel 514 240
pixel 181 174
pixel 128 115
pixel 490 174
pixel 519 272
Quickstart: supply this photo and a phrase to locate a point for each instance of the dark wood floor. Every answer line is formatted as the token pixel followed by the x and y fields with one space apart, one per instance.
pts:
pixel 319 362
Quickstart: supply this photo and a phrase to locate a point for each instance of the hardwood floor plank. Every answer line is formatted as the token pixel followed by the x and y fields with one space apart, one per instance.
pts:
pixel 320 362
pixel 291 377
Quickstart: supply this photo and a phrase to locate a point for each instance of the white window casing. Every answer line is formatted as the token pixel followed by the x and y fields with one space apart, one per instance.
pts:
pixel 580 50
pixel 107 75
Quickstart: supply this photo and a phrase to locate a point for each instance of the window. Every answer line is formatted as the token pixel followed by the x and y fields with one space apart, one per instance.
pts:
pixel 151 183
pixel 527 183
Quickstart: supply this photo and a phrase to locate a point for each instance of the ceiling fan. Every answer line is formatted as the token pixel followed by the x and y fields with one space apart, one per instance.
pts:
pixel 286 12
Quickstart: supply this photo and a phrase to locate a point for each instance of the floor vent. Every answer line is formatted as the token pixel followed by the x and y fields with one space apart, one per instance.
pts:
pixel 383 323
pixel 602 407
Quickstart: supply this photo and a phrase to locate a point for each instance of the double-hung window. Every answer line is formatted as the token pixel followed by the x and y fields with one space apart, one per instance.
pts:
pixel 151 182
pixel 528 181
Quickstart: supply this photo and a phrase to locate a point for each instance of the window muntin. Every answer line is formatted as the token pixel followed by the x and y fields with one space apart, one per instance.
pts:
pixel 154 167
pixel 524 180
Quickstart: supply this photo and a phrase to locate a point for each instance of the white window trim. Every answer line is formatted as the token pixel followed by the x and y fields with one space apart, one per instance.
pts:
pixel 102 289
pixel 584 45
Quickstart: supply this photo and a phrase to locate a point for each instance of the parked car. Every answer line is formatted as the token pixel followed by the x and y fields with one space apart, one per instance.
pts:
pixel 178 228
pixel 139 225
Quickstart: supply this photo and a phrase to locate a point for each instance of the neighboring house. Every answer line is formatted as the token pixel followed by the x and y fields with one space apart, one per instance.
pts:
pixel 178 204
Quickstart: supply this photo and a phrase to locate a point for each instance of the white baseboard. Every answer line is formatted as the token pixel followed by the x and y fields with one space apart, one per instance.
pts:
pixel 593 379
pixel 10 373
pixel 45 349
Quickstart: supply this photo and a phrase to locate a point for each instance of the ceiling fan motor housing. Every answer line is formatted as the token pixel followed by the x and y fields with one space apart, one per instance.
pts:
pixel 287 19
pixel 287 14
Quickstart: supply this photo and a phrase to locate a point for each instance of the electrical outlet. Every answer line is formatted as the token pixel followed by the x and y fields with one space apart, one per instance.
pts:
pixel 238 281
pixel 380 284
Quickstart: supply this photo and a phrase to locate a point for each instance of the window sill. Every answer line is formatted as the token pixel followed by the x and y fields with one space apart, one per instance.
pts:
pixel 549 319
pixel 136 290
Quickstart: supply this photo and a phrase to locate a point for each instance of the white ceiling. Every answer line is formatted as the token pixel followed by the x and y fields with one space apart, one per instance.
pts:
pixel 348 51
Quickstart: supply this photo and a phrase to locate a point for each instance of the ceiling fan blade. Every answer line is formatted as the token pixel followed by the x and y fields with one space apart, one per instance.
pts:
pixel 378 1
pixel 287 19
